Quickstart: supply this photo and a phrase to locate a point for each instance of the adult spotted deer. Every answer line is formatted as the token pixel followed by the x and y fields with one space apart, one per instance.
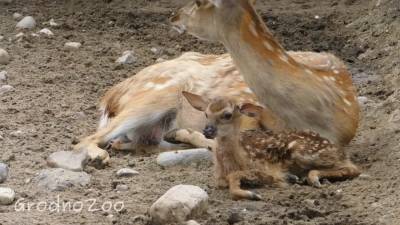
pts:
pixel 263 156
pixel 138 112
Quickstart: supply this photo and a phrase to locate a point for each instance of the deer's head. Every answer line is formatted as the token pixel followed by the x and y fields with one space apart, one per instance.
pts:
pixel 222 113
pixel 206 19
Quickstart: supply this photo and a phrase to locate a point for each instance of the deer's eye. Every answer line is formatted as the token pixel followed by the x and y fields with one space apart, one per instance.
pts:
pixel 227 116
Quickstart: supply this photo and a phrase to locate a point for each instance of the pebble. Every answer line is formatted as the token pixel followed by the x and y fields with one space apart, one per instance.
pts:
pixel 3 172
pixel 122 187
pixel 184 157
pixel 192 222
pixel 28 22
pixel 178 204
pixel 362 100
pixel 17 133
pixel 364 176
pixel 7 196
pixel 6 88
pixel 69 160
pixel 46 31
pixel 160 60
pixel 72 45
pixel 19 35
pixel 53 23
pixel 17 16
pixel 4 57
pixel 127 172
pixel 3 75
pixel 126 58
pixel 1 37
pixel 60 179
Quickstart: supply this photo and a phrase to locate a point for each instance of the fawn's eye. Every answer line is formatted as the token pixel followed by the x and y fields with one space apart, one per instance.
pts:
pixel 227 116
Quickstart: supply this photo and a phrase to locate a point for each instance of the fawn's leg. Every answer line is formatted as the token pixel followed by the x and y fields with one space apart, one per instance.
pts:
pixel 346 171
pixel 189 136
pixel 236 191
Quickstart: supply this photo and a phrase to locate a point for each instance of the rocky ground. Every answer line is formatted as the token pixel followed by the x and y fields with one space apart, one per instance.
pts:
pixel 49 94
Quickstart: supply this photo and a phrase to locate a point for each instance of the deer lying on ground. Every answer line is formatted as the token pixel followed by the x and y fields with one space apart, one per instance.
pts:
pixel 263 155
pixel 304 90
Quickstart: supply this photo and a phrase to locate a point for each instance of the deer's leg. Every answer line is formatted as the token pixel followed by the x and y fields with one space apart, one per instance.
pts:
pixel 236 191
pixel 347 171
pixel 189 136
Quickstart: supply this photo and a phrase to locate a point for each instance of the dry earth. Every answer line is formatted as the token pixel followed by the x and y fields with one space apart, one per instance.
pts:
pixel 56 94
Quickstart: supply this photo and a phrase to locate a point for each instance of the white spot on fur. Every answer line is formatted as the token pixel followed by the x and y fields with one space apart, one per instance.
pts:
pixel 268 45
pixel 253 30
pixel 347 102
pixel 149 85
pixel 308 71
pixel 336 71
pixel 332 78
pixel 248 90
pixel 292 144
pixel 104 119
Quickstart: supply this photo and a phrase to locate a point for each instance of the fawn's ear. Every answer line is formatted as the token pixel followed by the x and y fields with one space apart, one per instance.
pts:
pixel 197 101
pixel 251 110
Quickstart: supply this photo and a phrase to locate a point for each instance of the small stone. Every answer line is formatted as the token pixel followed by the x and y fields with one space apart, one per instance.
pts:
pixel 19 35
pixel 309 202
pixel 395 116
pixel 69 160
pixel 122 187
pixel 4 57
pixel 364 176
pixel 17 133
pixel 1 37
pixel 28 22
pixel 192 222
pixel 7 196
pixel 6 88
pixel 3 172
pixel 53 23
pixel 184 157
pixel 127 172
pixel 178 204
pixel 60 179
pixel 126 58
pixel 317 17
pixel 362 100
pixel 46 31
pixel 72 45
pixel 3 75
pixel 17 16
pixel 160 60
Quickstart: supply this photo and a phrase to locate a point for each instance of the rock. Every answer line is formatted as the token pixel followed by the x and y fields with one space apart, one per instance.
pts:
pixel 122 187
pixel 3 75
pixel 69 160
pixel 1 37
pixel 192 222
pixel 178 204
pixel 184 157
pixel 19 35
pixel 46 31
pixel 364 176
pixel 7 196
pixel 17 16
pixel 362 100
pixel 17 133
pixel 60 179
pixel 6 88
pixel 72 45
pixel 53 23
pixel 4 57
pixel 28 22
pixel 3 172
pixel 127 172
pixel 309 202
pixel 126 58
pixel 160 60
pixel 395 116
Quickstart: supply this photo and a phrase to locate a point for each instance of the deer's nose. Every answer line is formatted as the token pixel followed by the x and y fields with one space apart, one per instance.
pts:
pixel 210 131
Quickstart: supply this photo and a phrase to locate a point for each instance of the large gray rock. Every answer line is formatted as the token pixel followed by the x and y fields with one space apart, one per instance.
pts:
pixel 179 204
pixel 70 160
pixel 3 172
pixel 4 57
pixel 7 196
pixel 184 157
pixel 61 179
pixel 28 22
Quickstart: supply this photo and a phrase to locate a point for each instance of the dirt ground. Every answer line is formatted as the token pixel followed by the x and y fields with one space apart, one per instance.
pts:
pixel 56 95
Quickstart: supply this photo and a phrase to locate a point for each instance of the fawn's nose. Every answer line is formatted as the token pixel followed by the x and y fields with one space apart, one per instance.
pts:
pixel 210 131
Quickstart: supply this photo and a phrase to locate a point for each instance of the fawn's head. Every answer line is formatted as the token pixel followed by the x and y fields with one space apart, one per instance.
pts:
pixel 222 113
pixel 206 19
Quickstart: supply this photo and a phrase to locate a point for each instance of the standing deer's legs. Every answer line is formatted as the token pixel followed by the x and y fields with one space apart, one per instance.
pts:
pixel 190 136
pixel 348 170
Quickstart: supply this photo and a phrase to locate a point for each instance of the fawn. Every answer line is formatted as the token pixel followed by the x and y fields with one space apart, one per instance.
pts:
pixel 139 111
pixel 263 155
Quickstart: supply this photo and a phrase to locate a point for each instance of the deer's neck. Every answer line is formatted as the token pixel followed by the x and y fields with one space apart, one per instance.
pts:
pixel 286 87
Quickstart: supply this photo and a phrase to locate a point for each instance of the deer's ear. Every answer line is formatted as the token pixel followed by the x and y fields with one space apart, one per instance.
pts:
pixel 251 110
pixel 197 101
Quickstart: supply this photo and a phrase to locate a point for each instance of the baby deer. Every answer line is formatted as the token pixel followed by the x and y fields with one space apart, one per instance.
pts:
pixel 262 155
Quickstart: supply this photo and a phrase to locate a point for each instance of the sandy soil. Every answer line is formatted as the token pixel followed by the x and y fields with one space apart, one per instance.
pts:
pixel 56 95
